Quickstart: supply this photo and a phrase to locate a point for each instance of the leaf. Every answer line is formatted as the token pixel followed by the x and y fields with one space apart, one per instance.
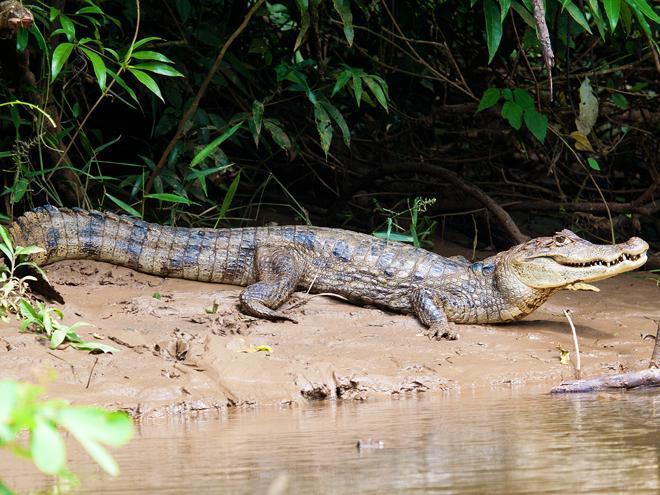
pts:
pixel 99 66
pixel 512 112
pixel 257 116
pixel 280 137
pixel 394 236
pixel 588 108
pixel 343 8
pixel 6 238
pixel 324 128
pixel 581 141
pixel 564 356
pixel 523 98
pixel 342 79
pixel 149 55
pixel 68 27
pixel 505 5
pixel 147 81
pixel 47 447
pixel 537 123
pixel 172 198
pixel 357 87
pixel 593 164
pixel 303 7
pixel 208 149
pixel 493 27
pixel 575 12
pixel 123 84
pixel 124 206
pixel 229 196
pixel 21 39
pixel 490 98
pixel 645 9
pixel 60 56
pixel 8 398
pixel 619 100
pixel 258 348
pixel 377 91
pixel 159 68
pixel 94 347
pixel 57 337
pixel 110 428
pixel 612 9
pixel 339 120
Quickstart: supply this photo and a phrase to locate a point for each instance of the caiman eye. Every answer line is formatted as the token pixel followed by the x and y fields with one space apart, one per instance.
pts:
pixel 560 239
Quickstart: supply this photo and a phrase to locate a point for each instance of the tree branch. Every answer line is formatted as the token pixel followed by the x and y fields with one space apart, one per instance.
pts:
pixel 198 97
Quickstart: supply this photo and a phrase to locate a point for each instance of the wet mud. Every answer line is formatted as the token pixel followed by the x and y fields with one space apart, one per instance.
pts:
pixel 185 347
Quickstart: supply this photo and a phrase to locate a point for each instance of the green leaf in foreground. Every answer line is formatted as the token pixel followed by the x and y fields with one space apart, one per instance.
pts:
pixel 47 447
pixel 343 8
pixel 593 164
pixel 99 66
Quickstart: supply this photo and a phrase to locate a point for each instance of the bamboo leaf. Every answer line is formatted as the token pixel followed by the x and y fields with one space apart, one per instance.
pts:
pixel 147 81
pixel 343 8
pixel 324 128
pixel 208 149
pixel 612 9
pixel 98 65
pixel 229 196
pixel 60 56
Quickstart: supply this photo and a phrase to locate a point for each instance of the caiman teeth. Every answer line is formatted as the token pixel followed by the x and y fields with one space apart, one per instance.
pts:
pixel 623 257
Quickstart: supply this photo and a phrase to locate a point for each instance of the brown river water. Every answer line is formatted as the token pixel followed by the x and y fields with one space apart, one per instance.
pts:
pixel 486 442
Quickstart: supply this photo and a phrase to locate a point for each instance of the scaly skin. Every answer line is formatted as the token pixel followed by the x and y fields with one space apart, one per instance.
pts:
pixel 272 262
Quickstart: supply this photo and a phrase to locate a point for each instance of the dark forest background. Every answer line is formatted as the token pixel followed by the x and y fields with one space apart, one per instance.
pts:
pixel 412 119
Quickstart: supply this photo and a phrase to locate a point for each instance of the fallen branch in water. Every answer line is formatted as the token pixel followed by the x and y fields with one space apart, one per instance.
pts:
pixel 633 379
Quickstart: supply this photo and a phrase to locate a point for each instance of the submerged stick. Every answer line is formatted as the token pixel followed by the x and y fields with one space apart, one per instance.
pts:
pixel 646 378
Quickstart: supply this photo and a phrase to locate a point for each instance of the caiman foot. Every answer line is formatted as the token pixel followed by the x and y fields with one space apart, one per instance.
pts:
pixel 258 309
pixel 446 331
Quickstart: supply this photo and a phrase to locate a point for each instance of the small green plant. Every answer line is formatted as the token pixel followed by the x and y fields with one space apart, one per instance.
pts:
pixel 22 410
pixel 420 229
pixel 14 289
pixel 36 316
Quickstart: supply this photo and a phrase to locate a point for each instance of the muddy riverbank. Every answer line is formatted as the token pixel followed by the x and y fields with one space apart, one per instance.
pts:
pixel 177 357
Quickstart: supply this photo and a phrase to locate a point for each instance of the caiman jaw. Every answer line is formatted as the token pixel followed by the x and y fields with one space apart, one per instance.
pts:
pixel 620 259
pixel 567 261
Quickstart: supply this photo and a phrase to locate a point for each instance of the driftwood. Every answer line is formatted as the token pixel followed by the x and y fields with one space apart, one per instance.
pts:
pixel 633 379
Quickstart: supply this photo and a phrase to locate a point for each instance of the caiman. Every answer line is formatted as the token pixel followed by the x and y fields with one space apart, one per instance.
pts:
pixel 272 262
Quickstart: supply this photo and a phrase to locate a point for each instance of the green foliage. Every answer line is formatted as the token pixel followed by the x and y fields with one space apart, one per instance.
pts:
pixel 36 316
pixel 22 411
pixel 420 229
pixel 518 107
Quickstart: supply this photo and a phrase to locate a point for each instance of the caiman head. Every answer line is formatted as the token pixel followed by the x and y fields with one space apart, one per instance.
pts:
pixel 565 260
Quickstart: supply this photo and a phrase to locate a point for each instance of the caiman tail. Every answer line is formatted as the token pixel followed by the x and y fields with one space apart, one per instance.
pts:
pixel 210 255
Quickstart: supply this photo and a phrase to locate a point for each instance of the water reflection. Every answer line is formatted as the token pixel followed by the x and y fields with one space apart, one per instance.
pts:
pixel 504 443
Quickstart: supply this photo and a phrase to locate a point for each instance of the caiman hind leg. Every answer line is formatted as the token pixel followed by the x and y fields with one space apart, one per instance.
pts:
pixel 278 272
pixel 432 316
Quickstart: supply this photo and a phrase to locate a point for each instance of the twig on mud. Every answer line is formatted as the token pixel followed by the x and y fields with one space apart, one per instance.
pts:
pixel 91 372
pixel 302 302
pixel 578 365
pixel 73 369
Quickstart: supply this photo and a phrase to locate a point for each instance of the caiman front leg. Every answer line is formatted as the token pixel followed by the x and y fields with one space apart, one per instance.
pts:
pixel 432 316
pixel 278 273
